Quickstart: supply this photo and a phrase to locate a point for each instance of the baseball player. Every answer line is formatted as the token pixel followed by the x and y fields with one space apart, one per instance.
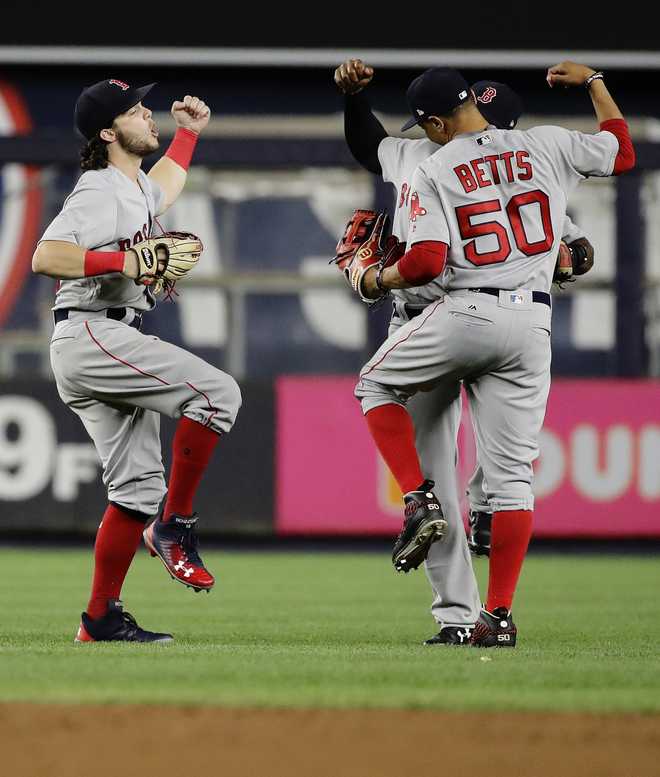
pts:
pixel 486 213
pixel 116 379
pixel 436 415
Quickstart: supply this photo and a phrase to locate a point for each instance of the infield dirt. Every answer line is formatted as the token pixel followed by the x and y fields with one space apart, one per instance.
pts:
pixel 104 741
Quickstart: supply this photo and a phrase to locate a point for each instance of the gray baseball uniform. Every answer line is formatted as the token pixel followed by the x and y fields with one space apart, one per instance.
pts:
pixel 497 199
pixel 436 415
pixel 114 378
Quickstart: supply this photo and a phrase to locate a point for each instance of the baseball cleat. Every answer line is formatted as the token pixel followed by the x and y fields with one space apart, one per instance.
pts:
pixel 494 629
pixel 424 524
pixel 479 539
pixel 116 626
pixel 452 635
pixel 175 544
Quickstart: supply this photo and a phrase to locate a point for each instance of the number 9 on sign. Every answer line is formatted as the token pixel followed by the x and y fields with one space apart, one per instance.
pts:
pixel 27 444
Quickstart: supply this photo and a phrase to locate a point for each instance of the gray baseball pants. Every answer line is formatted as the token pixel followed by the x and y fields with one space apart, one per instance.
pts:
pixel 500 348
pixel 118 381
pixel 436 417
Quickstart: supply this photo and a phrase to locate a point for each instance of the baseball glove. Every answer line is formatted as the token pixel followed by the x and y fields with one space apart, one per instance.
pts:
pixel 564 266
pixel 364 245
pixel 172 254
pixel 574 259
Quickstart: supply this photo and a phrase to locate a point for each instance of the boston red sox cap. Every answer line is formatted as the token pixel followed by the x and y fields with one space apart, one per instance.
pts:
pixel 497 103
pixel 435 93
pixel 99 104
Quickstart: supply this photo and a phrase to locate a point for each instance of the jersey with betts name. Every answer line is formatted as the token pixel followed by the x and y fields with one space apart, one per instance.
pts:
pixel 106 211
pixel 497 198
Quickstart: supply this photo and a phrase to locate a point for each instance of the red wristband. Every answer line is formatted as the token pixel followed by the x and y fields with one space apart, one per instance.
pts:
pixel 182 147
pixel 103 262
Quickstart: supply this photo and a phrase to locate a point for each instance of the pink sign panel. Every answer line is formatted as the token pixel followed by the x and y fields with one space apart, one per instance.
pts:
pixel 598 474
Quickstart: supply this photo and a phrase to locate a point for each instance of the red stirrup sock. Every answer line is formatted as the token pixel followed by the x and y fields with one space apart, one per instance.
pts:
pixel 117 539
pixel 510 534
pixel 394 435
pixel 192 448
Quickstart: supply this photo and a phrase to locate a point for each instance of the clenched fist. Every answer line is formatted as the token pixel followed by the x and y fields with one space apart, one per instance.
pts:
pixel 352 76
pixel 568 74
pixel 191 113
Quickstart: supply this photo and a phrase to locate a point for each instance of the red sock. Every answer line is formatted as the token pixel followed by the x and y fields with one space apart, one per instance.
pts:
pixel 394 435
pixel 117 539
pixel 192 447
pixel 509 538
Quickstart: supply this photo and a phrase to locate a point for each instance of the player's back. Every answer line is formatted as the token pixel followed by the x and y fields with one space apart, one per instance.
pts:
pixel 503 198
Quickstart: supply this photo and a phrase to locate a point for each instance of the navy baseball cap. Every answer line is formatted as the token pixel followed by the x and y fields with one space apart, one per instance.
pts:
pixel 497 103
pixel 435 93
pixel 99 104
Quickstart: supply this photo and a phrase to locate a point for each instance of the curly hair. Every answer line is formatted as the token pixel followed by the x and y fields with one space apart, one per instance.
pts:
pixel 94 154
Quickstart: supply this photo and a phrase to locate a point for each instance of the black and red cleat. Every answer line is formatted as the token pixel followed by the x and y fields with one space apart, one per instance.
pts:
pixel 494 629
pixel 423 525
pixel 452 635
pixel 116 626
pixel 175 544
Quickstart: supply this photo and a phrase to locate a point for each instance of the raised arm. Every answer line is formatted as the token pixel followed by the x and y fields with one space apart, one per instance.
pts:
pixel 608 115
pixel 170 172
pixel 573 74
pixel 363 131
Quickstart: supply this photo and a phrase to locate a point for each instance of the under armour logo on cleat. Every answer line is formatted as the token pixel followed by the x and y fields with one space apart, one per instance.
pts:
pixel 180 566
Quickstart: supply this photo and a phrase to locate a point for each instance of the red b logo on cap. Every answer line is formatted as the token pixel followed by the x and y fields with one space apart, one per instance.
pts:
pixel 120 84
pixel 488 96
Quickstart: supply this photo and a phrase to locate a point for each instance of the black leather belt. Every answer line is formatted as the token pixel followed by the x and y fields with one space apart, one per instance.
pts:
pixel 412 311
pixel 116 314
pixel 537 296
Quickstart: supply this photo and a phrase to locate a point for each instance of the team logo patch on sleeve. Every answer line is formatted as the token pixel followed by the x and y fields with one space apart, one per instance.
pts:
pixel 416 210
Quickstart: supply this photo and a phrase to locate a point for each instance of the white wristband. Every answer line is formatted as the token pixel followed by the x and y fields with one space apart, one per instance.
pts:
pixel 593 77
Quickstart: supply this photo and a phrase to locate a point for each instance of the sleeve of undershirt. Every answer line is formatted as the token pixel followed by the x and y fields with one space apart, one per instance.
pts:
pixel 363 132
pixel 423 262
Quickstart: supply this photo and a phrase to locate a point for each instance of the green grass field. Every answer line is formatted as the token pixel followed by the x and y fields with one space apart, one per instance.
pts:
pixel 332 630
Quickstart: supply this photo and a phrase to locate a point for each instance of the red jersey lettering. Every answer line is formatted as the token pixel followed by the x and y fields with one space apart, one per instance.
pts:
pixel 494 172
pixel 464 175
pixel 524 167
pixel 403 197
pixel 506 158
pixel 480 173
